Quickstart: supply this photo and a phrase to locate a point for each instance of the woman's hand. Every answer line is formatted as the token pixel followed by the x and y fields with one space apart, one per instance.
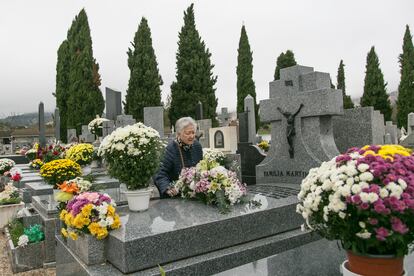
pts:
pixel 172 192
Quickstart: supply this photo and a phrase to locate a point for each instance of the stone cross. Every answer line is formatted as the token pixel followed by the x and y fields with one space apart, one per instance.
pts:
pixel 249 108
pixel 154 117
pixel 42 135
pixel 57 124
pixel 199 111
pixel 71 135
pixel 300 111
pixel 107 128
pixel 86 136
pixel 113 104
pixel 224 117
pixel 410 122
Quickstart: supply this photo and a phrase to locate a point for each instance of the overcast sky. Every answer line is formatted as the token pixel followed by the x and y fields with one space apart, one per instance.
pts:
pixel 319 32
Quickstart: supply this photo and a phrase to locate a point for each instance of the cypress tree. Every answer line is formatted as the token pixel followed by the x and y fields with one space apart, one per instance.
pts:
pixel 85 99
pixel 284 60
pixel 145 80
pixel 194 77
pixel 374 87
pixel 405 102
pixel 62 86
pixel 347 102
pixel 245 83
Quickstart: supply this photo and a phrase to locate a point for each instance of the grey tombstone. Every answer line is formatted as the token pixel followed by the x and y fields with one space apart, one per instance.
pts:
pixel 300 111
pixel 124 120
pixel 392 130
pixel 388 139
pixel 86 136
pixel 72 137
pixel 113 103
pixel 154 117
pixel 224 117
pixel 57 124
pixel 199 111
pixel 249 108
pixel 42 135
pixel 243 127
pixel 107 127
pixel 408 142
pixel 358 127
pixel 410 123
pixel 203 128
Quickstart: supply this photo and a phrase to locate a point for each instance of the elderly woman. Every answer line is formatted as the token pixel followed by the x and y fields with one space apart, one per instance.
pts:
pixel 184 151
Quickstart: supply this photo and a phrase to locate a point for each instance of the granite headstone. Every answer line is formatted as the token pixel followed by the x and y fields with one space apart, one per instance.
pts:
pixel 113 103
pixel 203 128
pixel 42 126
pixel 154 117
pixel 124 120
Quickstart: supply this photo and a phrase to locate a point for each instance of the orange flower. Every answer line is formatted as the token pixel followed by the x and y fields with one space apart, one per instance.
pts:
pixel 69 187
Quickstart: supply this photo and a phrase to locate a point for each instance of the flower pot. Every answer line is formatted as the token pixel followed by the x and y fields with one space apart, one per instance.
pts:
pixel 375 265
pixel 8 211
pixel 138 200
pixel 88 248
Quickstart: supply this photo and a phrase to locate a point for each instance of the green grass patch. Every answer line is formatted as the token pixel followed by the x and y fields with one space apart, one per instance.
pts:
pixel 16 229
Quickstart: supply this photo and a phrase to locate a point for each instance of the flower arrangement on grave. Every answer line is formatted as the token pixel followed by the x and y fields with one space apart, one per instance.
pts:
pixel 95 126
pixel 10 195
pixel 46 154
pixel 132 154
pixel 80 153
pixel 363 198
pixel 90 213
pixel 6 165
pixel 57 171
pixel 70 188
pixel 264 145
pixel 32 234
pixel 14 174
pixel 36 164
pixel 31 154
pixel 214 155
pixel 212 184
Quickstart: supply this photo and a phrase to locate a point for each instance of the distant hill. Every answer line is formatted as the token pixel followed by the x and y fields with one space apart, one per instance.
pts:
pixel 26 119
pixel 393 96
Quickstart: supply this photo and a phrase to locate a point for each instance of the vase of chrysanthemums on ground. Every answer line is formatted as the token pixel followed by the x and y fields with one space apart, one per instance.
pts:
pixel 365 199
pixel 132 155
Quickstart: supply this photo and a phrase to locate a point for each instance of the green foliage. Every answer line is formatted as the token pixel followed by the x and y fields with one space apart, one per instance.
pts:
pixel 347 102
pixel 145 80
pixel 374 87
pixel 34 233
pixel 283 61
pixel 16 229
pixel 245 83
pixel 77 81
pixel 405 102
pixel 62 86
pixel 194 77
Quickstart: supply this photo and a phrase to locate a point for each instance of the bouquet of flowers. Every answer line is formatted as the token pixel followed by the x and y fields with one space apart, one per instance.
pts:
pixel 32 234
pixel 364 198
pixel 133 154
pixel 91 213
pixel 57 171
pixel 15 174
pixel 80 153
pixel 95 126
pixel 46 154
pixel 10 195
pixel 6 165
pixel 214 155
pixel 68 189
pixel 264 145
pixel 36 164
pixel 212 184
pixel 31 153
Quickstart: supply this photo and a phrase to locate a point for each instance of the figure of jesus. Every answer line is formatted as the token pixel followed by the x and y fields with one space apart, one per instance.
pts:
pixel 290 129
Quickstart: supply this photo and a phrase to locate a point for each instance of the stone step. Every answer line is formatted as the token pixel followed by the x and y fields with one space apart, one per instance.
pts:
pixel 174 229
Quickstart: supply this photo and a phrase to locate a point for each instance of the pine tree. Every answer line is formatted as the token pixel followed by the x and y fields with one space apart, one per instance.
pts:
pixel 85 99
pixel 145 80
pixel 194 77
pixel 374 87
pixel 245 83
pixel 62 86
pixel 283 61
pixel 347 102
pixel 405 102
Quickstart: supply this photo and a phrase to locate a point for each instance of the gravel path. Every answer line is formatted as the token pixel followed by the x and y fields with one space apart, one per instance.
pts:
pixel 5 268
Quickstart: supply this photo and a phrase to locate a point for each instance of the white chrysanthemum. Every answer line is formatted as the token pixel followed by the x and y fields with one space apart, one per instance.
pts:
pixel 363 167
pixel 384 193
pixel 23 241
pixel 402 183
pixel 372 197
pixel 342 215
pixel 364 197
pixel 364 234
pixel 356 189
pixel 362 224
pixel 366 176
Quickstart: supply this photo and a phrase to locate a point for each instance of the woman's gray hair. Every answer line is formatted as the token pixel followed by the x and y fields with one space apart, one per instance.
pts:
pixel 184 122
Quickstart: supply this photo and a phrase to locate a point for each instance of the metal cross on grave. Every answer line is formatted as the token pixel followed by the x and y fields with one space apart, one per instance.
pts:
pixel 300 110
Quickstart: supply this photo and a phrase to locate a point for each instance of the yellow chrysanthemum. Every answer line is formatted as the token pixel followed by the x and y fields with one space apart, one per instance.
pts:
pixel 73 236
pixel 117 222
pixel 111 210
pixel 94 228
pixel 68 219
pixel 64 232
pixel 62 214
pixel 80 153
pixel 102 233
pixel 86 210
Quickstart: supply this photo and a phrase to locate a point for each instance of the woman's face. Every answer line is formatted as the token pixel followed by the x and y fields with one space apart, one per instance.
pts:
pixel 187 135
